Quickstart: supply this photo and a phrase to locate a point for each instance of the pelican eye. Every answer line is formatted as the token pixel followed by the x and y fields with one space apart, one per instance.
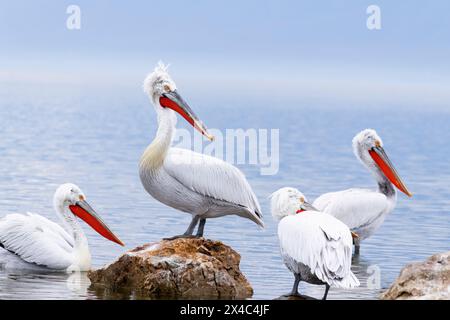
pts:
pixel 167 88
pixel 302 199
pixel 377 143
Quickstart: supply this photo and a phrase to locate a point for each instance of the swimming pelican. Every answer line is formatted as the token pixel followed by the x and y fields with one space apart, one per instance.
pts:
pixel 363 210
pixel 198 184
pixel 32 241
pixel 315 246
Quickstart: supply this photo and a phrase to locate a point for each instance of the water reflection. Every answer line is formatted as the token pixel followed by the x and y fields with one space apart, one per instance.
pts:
pixel 100 154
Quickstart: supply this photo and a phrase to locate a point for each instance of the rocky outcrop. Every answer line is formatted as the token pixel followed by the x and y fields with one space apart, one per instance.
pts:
pixel 423 280
pixel 181 268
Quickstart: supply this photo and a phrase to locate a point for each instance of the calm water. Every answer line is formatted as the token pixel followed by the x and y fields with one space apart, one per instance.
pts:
pixel 96 141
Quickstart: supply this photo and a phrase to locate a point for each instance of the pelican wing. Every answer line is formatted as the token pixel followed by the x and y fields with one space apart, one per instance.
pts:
pixel 322 243
pixel 211 177
pixel 355 207
pixel 36 240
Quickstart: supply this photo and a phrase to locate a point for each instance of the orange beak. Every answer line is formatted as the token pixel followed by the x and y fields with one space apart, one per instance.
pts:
pixel 381 159
pixel 85 212
pixel 174 101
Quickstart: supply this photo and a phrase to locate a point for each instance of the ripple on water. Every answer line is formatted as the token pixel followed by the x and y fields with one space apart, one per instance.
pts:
pixel 101 153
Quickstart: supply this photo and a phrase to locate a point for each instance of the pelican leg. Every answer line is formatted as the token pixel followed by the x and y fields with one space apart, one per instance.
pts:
pixel 357 245
pixel 294 291
pixel 201 227
pixel 327 287
pixel 189 231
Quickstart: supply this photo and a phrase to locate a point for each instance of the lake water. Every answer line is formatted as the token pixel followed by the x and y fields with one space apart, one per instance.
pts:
pixel 95 141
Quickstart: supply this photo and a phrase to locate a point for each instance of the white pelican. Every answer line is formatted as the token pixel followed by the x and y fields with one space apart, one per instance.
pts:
pixel 363 210
pixel 198 184
pixel 315 246
pixel 32 241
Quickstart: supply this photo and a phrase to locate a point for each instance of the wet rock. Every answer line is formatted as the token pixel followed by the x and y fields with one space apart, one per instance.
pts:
pixel 423 280
pixel 181 268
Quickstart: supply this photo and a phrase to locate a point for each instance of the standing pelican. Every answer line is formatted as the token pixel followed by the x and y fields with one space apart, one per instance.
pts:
pixel 198 184
pixel 315 246
pixel 32 241
pixel 363 210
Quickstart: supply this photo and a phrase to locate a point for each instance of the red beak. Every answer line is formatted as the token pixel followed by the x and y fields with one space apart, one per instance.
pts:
pixel 381 159
pixel 85 212
pixel 174 101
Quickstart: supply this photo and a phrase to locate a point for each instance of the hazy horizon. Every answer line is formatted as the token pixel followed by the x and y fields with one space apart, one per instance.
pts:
pixel 319 52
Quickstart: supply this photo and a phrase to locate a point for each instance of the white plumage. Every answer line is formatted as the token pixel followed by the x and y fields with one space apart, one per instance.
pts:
pixel 320 242
pixel 211 177
pixel 315 246
pixel 30 241
pixel 364 210
pixel 204 186
pixel 36 240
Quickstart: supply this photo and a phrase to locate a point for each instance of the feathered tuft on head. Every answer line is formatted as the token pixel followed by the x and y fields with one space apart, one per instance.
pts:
pixel 154 80
pixel 161 67
pixel 285 201
pixel 364 141
pixel 366 137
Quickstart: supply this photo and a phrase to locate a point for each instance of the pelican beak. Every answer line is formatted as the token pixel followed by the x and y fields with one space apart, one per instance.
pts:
pixel 85 212
pixel 381 159
pixel 354 235
pixel 174 101
pixel 306 206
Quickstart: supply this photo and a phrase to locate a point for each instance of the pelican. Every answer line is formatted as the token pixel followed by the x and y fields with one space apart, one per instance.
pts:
pixel 203 186
pixel 316 247
pixel 31 241
pixel 363 210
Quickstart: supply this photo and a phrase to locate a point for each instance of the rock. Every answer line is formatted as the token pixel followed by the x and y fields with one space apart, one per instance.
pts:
pixel 180 268
pixel 423 280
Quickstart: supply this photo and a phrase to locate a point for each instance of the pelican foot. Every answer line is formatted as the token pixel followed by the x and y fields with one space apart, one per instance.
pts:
pixel 181 236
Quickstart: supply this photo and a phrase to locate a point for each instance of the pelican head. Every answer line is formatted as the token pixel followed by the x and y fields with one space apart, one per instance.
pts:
pixel 288 201
pixel 69 196
pixel 158 82
pixel 162 91
pixel 368 148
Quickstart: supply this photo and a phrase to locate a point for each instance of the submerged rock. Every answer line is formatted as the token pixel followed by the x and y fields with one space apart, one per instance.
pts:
pixel 180 268
pixel 423 280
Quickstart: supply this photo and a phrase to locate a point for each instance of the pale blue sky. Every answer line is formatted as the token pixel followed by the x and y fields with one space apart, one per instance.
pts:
pixel 321 50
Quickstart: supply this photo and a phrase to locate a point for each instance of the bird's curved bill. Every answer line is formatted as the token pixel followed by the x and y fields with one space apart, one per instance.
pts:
pixel 306 206
pixel 85 212
pixel 381 159
pixel 174 101
pixel 354 235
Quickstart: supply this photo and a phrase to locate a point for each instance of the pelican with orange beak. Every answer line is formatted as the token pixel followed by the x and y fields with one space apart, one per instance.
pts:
pixel 363 210
pixel 32 241
pixel 198 184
